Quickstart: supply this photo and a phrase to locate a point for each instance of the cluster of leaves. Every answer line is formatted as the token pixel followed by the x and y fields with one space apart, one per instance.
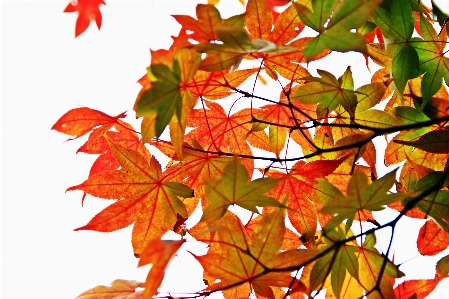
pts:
pixel 321 191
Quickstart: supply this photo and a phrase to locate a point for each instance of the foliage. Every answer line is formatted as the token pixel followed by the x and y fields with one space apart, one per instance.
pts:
pixel 323 188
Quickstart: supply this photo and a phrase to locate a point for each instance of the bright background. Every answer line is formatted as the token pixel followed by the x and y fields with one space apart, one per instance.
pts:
pixel 44 73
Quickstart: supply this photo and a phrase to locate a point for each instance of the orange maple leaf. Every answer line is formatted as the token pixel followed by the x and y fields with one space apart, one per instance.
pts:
pixel 80 121
pixel 432 239
pixel 125 289
pixel 417 289
pixel 97 144
pixel 217 85
pixel 298 183
pixel 281 31
pixel 282 119
pixel 196 167
pixel 209 18
pixel 158 253
pixel 218 132
pixel 234 257
pixel 145 198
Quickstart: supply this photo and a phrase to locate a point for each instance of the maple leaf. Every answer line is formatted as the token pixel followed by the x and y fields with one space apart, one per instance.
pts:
pixel 398 25
pixel 398 151
pixel 432 142
pixel 335 263
pixel 235 258
pixel 138 186
pixel 282 118
pixel 360 197
pixel 328 92
pixel 285 30
pixel 158 253
pixel 196 167
pixel 234 188
pixel 432 59
pixel 168 99
pixel 119 288
pixel 234 44
pixel 98 144
pixel 216 131
pixel 88 10
pixel 80 121
pixel 435 204
pixel 333 20
pixel 370 264
pixel 298 183
pixel 432 239
pixel 417 289
pixel 209 18
pixel 218 85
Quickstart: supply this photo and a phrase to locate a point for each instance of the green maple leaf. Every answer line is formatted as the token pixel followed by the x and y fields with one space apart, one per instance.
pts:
pixel 333 20
pixel 361 196
pixel 432 59
pixel 397 25
pixel 370 264
pixel 341 260
pixel 233 188
pixel 167 95
pixel 436 204
pixel 432 142
pixel 328 92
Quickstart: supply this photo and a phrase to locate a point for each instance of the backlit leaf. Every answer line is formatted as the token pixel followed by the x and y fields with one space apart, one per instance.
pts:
pixel 318 149
pixel 158 253
pixel 119 288
pixel 333 20
pixel 398 25
pixel 168 97
pixel 432 142
pixel 432 239
pixel 328 93
pixel 80 121
pixel 432 58
pixel 235 188
pixel 417 289
pixel 370 264
pixel 376 119
pixel 138 185
pixel 229 259
pixel 209 18
pixel 196 167
pixel 215 130
pixel 88 10
pixel 298 183
pixel 362 196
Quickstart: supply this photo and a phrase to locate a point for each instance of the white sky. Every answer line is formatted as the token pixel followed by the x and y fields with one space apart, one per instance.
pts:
pixel 46 72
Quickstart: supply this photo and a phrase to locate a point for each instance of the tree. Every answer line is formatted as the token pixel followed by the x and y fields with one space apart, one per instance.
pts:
pixel 320 162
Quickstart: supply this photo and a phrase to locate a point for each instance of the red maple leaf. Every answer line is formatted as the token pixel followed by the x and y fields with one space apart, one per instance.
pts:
pixel 88 10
